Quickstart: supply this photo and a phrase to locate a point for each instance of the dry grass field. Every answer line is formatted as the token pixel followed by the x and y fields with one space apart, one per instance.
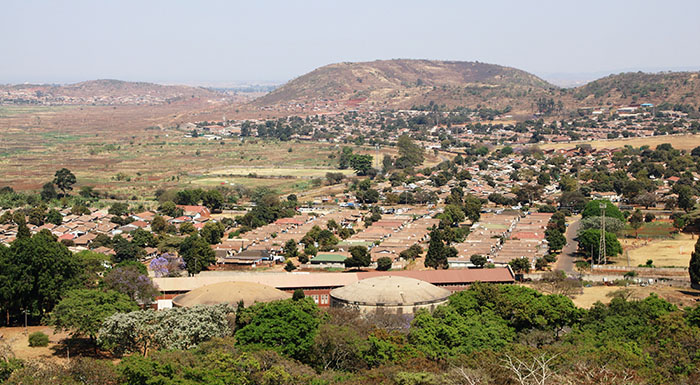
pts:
pixel 681 142
pixel 131 151
pixel 677 296
pixel 664 252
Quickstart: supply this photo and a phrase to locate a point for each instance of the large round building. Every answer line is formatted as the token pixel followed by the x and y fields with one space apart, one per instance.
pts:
pixel 390 294
pixel 230 293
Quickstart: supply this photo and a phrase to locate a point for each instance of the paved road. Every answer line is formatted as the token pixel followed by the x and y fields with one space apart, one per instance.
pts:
pixel 565 261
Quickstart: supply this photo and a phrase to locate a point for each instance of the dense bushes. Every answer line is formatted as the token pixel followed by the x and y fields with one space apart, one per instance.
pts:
pixel 38 339
pixel 489 333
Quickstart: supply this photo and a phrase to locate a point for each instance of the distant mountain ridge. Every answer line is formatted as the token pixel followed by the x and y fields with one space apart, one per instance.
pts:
pixel 407 82
pixel 403 83
pixel 640 87
pixel 102 91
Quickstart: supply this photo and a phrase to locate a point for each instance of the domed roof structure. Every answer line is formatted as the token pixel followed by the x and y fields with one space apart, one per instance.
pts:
pixel 230 293
pixel 390 291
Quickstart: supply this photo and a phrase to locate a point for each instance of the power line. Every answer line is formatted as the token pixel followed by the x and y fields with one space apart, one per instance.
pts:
pixel 601 246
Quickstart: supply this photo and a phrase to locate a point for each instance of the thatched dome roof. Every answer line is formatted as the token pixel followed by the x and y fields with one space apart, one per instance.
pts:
pixel 230 293
pixel 390 290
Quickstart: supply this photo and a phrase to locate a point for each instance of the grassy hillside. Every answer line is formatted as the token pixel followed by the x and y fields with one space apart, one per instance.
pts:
pixel 639 87
pixel 404 83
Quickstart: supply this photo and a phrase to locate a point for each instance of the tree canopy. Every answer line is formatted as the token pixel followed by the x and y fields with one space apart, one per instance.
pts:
pixel 83 311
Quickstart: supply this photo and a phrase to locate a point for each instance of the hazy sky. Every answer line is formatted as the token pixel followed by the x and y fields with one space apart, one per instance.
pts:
pixel 206 42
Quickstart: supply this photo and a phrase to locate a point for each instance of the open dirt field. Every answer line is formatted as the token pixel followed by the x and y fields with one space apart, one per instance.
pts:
pixel 17 340
pixel 677 296
pixel 681 142
pixel 664 252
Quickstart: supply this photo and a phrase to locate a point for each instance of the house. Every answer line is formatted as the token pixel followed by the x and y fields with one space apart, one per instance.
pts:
pixel 329 260
pixel 246 258
pixel 195 212
pixel 85 239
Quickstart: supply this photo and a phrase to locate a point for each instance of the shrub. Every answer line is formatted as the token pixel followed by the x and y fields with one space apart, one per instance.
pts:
pixel 38 339
pixel 384 263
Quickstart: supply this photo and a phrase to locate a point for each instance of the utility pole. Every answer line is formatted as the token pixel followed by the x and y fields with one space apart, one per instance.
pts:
pixel 601 247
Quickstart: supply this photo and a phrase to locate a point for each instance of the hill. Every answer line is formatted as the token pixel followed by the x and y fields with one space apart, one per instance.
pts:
pixel 103 92
pixel 674 88
pixel 405 83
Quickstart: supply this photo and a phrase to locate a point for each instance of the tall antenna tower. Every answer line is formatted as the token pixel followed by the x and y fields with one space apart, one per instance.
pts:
pixel 601 247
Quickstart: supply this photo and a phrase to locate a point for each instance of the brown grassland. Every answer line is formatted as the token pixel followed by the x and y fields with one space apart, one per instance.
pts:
pixel 681 142
pixel 134 150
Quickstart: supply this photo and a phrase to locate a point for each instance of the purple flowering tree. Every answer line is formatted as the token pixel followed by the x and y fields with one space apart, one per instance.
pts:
pixel 130 281
pixel 160 266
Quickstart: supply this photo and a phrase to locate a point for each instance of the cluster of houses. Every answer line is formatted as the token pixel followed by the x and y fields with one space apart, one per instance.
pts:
pixel 502 237
pixel 79 231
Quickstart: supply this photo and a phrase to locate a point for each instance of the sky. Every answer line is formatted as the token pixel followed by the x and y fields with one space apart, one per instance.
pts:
pixel 207 42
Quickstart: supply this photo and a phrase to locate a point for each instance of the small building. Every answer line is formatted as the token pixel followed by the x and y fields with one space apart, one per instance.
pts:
pixel 330 260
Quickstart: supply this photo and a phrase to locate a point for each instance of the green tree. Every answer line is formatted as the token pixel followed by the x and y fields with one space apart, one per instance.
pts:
pixel 384 263
pixel 158 224
pixel 48 192
pixel 36 215
pixel 143 238
pixel 310 250
pixel 21 222
pixel 64 180
pixel 636 221
pixel 82 311
pixel 289 266
pixel 212 232
pixel 298 294
pixel 694 267
pixel 472 207
pixel 286 326
pixel 555 239
pixel 412 252
pixel 35 272
pixel 344 158
pixel 290 249
pixel 592 209
pixel 589 241
pixel 94 265
pixel 213 199
pixel 452 215
pixel 55 217
pixel 176 328
pixel 478 260
pixel 119 209
pixel 446 333
pixel 88 192
pixel 361 163
pixel 196 253
pixel 612 225
pixel 437 253
pixel 567 183
pixel 359 257
pixel 410 154
pixel 686 198
pixel 170 209
pixel 187 228
pixel 520 265
pixel 125 250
